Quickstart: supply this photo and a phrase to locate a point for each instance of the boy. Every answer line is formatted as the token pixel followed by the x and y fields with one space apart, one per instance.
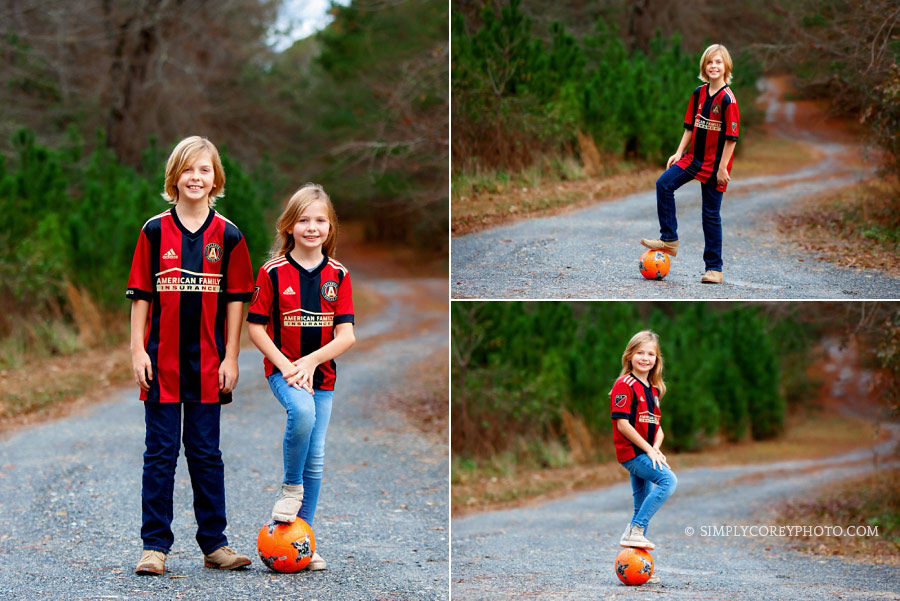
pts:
pixel 712 125
pixel 189 277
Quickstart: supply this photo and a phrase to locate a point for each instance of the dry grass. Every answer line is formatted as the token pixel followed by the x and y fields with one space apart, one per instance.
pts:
pixel 503 484
pixel 423 398
pixel 872 500
pixel 498 198
pixel 854 226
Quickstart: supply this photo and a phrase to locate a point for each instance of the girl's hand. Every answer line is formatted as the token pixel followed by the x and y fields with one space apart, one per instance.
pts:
pixel 722 176
pixel 228 375
pixel 141 369
pixel 672 160
pixel 302 376
pixel 656 458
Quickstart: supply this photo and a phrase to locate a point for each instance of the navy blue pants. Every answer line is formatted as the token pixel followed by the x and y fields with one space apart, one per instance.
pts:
pixel 671 180
pixel 201 449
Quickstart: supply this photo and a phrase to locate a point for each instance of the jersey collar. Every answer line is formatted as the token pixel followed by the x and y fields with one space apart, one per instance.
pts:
pixel 186 231
pixel 303 270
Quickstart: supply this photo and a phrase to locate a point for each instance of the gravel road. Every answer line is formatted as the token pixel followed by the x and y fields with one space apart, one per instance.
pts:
pixel 594 252
pixel 70 490
pixel 565 549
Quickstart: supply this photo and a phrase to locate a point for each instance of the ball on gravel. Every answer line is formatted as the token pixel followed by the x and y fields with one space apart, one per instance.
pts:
pixel 654 265
pixel 634 566
pixel 286 547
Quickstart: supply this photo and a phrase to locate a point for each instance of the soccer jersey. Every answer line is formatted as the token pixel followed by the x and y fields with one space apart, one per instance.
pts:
pixel 189 278
pixel 300 309
pixel 713 120
pixel 630 399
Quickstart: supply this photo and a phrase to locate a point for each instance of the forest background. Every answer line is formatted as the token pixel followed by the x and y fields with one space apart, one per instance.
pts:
pixel 94 96
pixel 548 92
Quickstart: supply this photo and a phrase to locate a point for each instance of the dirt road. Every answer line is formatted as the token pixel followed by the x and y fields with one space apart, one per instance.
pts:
pixel 70 489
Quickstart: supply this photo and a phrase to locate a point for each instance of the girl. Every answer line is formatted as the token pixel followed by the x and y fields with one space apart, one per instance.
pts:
pixel 301 318
pixel 191 266
pixel 712 124
pixel 638 435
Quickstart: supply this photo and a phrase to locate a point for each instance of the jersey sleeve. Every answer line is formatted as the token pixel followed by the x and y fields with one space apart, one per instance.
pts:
pixel 732 121
pixel 239 279
pixel 343 309
pixel 140 281
pixel 261 301
pixel 691 110
pixel 620 400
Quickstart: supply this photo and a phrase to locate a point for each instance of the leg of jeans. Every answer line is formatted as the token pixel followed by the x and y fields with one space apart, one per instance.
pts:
pixel 315 459
pixel 640 489
pixel 668 182
pixel 665 481
pixel 163 426
pixel 301 417
pixel 712 226
pixel 204 459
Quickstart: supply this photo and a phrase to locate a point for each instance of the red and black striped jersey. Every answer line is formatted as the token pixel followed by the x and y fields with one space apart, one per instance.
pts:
pixel 713 120
pixel 630 399
pixel 300 309
pixel 189 278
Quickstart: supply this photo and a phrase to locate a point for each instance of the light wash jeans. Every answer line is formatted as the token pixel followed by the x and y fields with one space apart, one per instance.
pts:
pixel 304 439
pixel 647 497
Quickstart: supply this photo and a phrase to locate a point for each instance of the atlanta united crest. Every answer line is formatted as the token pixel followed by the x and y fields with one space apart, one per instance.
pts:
pixel 329 291
pixel 213 252
pixel 716 109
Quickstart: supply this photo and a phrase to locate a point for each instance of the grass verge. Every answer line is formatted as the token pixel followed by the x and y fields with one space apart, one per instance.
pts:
pixel 501 482
pixel 870 501
pixel 423 397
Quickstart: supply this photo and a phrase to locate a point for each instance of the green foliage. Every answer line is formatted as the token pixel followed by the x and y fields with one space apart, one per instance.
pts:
pixel 515 94
pixel 74 217
pixel 518 365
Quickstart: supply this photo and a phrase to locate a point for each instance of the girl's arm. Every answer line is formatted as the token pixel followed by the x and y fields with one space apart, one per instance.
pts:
pixel 228 370
pixel 723 177
pixel 267 347
pixel 685 140
pixel 657 440
pixel 306 366
pixel 141 367
pixel 631 434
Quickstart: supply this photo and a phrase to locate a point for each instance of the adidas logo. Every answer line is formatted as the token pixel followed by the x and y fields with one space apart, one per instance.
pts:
pixel 170 254
pixel 288 291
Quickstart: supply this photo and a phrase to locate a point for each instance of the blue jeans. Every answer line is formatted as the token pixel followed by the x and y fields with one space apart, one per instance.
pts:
pixel 304 439
pixel 647 497
pixel 671 180
pixel 201 449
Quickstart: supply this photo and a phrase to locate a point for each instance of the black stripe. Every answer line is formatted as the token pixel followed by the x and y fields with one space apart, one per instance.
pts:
pixel 191 308
pixel 310 300
pixel 276 311
pixel 154 235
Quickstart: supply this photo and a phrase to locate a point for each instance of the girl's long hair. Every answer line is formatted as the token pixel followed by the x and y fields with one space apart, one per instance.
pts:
pixel 655 376
pixel 284 226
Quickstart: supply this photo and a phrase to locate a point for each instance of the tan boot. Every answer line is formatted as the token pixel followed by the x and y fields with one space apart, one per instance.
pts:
pixel 225 558
pixel 152 562
pixel 288 506
pixel 636 538
pixel 712 277
pixel 670 248
pixel 625 536
pixel 316 563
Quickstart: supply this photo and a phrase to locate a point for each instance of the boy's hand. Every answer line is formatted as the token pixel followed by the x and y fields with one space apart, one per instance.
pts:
pixel 228 375
pixel 722 176
pixel 672 160
pixel 141 368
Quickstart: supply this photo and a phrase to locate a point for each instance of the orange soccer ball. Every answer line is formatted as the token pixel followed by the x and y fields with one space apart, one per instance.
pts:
pixel 654 265
pixel 286 547
pixel 634 566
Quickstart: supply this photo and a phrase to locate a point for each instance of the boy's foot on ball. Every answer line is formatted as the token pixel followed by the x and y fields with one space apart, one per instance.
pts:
pixel 625 535
pixel 288 506
pixel 670 248
pixel 636 538
pixel 152 562
pixel 225 558
pixel 316 563
pixel 712 277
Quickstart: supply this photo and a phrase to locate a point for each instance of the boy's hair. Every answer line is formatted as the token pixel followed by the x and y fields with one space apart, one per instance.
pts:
pixel 284 226
pixel 184 154
pixel 726 58
pixel 656 372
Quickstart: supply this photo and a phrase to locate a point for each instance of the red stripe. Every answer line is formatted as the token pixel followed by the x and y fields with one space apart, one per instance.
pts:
pixel 169 323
